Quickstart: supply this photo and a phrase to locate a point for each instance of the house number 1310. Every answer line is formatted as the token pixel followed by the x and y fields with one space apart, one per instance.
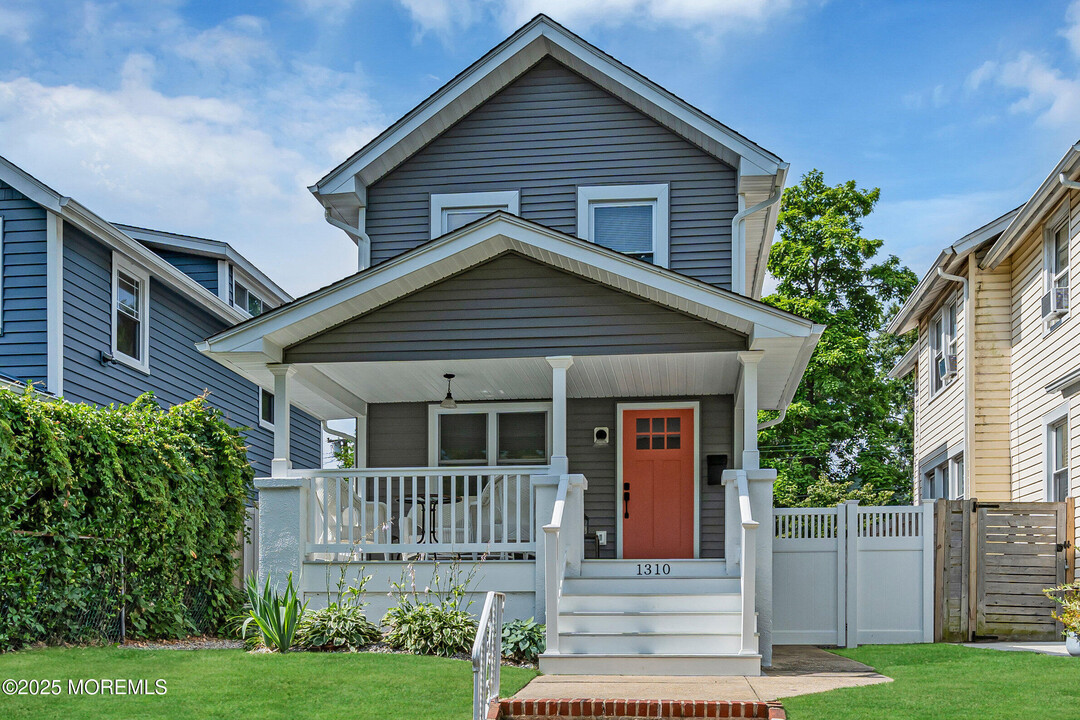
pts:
pixel 653 569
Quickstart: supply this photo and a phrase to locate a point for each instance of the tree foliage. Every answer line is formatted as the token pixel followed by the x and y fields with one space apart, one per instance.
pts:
pixel 102 506
pixel 848 431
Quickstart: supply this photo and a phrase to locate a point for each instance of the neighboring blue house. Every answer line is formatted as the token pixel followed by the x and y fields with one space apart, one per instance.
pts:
pixel 100 313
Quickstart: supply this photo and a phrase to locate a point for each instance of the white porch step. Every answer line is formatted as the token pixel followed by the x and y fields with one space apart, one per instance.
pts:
pixel 671 664
pixel 622 585
pixel 675 568
pixel 649 621
pixel 652 643
pixel 651 602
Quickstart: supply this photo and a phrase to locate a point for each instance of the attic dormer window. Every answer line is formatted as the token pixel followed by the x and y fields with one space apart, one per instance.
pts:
pixel 451 211
pixel 630 219
pixel 246 300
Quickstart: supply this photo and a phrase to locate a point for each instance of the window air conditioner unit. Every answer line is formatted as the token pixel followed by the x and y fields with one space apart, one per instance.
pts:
pixel 950 366
pixel 1055 303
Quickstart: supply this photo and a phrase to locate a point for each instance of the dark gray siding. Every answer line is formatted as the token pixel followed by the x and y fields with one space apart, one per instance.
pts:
pixel 199 268
pixel 24 341
pixel 397 437
pixel 178 372
pixel 545 134
pixel 513 307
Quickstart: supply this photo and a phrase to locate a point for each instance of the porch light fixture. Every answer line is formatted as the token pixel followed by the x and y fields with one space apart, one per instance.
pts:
pixel 448 401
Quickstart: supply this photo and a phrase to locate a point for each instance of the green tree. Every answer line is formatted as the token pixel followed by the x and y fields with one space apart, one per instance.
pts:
pixel 848 431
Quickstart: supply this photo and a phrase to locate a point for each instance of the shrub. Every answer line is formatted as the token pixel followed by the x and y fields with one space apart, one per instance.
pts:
pixel 1068 599
pixel 276 615
pixel 430 629
pixel 90 496
pixel 342 623
pixel 523 640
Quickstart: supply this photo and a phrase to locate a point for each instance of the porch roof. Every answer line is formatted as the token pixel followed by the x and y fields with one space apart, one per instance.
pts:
pixel 332 389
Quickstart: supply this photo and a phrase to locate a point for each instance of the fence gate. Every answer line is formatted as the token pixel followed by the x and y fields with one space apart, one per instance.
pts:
pixel 993 562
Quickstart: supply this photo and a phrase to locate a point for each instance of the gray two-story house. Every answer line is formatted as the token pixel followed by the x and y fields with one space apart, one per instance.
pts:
pixel 99 313
pixel 556 353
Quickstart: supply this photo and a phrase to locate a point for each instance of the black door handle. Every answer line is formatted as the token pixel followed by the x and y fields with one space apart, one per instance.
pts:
pixel 626 500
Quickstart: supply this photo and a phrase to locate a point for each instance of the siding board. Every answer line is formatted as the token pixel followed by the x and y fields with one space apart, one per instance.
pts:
pixel 201 269
pixel 24 337
pixel 544 135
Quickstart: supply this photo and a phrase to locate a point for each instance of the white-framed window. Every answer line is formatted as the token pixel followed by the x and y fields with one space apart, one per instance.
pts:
pixel 957 487
pixel 450 211
pixel 266 409
pixel 130 314
pixel 1055 301
pixel 943 347
pixel 631 219
pixel 489 434
pixel 945 479
pixel 1057 459
pixel 246 300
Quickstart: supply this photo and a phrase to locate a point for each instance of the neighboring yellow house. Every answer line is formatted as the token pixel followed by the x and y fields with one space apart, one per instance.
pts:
pixel 997 360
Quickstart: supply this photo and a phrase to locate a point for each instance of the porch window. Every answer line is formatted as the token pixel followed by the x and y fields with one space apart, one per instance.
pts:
pixel 131 310
pixel 943 348
pixel 630 219
pixel 450 211
pixel 490 434
pixel 266 409
pixel 1058 455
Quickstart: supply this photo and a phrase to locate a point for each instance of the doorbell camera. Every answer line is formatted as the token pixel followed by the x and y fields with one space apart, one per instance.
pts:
pixel 600 436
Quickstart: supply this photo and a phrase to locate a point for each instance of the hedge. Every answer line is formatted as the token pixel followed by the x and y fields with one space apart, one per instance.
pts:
pixel 82 487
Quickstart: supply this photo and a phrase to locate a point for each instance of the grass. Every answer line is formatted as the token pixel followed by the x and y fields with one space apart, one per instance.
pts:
pixel 234 684
pixel 951 681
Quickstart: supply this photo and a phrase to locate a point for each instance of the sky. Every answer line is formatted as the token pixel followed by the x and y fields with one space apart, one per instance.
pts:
pixel 213 118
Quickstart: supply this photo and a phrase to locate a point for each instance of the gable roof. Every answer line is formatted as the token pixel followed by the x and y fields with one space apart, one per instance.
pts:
pixel 926 293
pixel 249 346
pixel 94 225
pixel 540 37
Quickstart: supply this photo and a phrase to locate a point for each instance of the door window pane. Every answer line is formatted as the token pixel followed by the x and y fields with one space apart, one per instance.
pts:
pixel 625 227
pixel 522 438
pixel 463 439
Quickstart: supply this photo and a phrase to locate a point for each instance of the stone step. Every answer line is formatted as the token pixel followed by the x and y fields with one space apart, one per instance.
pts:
pixel 644 621
pixel 648 643
pixel 665 664
pixel 654 568
pixel 640 602
pixel 620 585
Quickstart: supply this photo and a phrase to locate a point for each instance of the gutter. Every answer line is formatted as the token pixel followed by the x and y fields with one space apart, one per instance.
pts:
pixel 739 221
pixel 362 240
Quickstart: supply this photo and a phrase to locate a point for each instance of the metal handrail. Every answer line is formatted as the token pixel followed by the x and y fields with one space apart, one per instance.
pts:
pixel 487 654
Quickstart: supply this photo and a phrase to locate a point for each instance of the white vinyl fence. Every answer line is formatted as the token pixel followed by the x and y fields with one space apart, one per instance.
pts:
pixel 850 575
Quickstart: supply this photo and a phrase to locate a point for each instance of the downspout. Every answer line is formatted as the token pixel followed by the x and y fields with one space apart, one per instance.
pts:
pixel 775 421
pixel 363 241
pixel 969 380
pixel 738 225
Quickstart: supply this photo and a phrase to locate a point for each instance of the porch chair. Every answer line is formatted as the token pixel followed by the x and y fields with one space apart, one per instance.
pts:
pixel 351 511
pixel 491 500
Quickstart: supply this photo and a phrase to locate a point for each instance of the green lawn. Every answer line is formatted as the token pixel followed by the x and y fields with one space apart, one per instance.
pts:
pixel 950 681
pixel 234 684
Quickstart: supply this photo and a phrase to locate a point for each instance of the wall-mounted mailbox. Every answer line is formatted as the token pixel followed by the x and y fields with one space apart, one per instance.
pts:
pixel 715 465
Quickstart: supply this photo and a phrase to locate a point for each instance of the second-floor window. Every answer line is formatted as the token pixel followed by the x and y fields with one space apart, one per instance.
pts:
pixel 266 409
pixel 632 219
pixel 450 211
pixel 1055 303
pixel 943 347
pixel 130 314
pixel 246 300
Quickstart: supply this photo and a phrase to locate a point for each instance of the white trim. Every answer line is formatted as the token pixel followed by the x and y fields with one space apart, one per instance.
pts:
pixel 619 408
pixel 54 301
pixel 248 292
pixel 223 279
pixel 1049 420
pixel 492 410
pixel 263 423
pixel 1057 222
pixel 589 196
pixel 508 200
pixel 140 274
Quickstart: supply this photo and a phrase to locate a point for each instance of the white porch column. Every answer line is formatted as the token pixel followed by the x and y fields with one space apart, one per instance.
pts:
pixel 360 444
pixel 560 464
pixel 749 390
pixel 281 463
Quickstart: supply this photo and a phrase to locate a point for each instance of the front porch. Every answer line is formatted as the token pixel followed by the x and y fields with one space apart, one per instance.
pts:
pixel 596 447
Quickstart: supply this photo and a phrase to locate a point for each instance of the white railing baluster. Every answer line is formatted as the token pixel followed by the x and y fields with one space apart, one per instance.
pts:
pixel 487 655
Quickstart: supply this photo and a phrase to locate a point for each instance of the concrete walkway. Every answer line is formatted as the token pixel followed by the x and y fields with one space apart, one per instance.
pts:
pixel 1043 648
pixel 797 670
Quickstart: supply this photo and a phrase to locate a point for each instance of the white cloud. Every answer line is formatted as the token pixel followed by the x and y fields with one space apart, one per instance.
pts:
pixel 234 46
pixel 1050 94
pixel 707 17
pixel 15 23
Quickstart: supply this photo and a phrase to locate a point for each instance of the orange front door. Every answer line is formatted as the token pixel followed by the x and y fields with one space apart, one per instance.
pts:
pixel 657 500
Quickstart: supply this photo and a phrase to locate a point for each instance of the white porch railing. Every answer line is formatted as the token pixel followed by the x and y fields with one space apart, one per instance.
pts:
pixel 487 654
pixel 411 511
pixel 748 560
pixel 562 549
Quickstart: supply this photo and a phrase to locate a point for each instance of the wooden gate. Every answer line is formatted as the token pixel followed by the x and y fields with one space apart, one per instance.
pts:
pixel 993 562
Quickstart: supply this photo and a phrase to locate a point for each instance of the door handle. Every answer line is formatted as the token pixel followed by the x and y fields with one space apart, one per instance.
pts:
pixel 626 501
